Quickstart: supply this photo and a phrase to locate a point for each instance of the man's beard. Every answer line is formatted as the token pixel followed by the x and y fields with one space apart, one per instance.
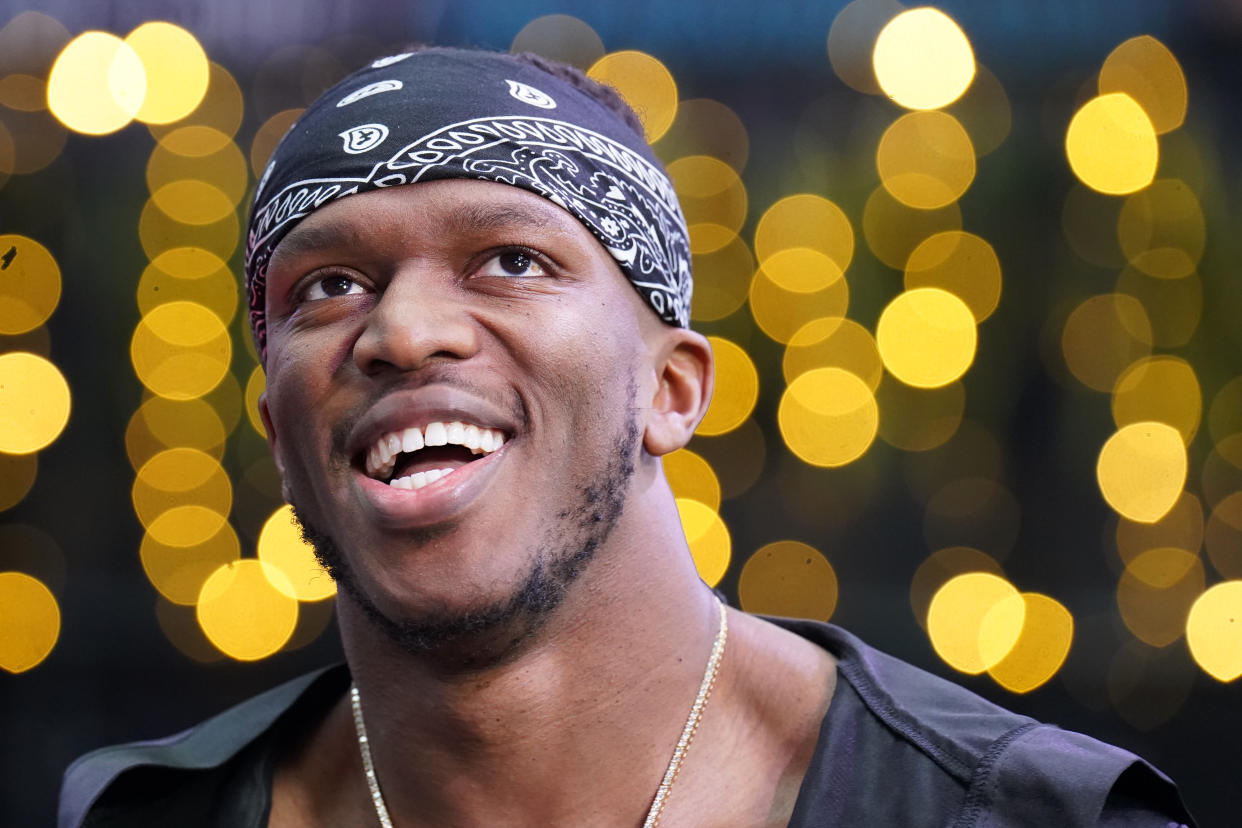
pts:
pixel 578 532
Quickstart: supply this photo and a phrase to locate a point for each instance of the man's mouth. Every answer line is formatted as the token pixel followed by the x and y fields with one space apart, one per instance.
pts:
pixel 415 457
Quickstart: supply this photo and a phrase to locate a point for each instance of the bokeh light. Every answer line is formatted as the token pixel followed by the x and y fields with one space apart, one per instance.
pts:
pixel 175 68
pixel 984 111
pixel 1103 336
pixel 923 60
pixel 893 230
pixel 1141 470
pixel 17 476
pixel 926 337
pixel 1161 229
pixel 161 423
pixel 179 572
pixel 706 127
pixel 221 108
pixel 29 284
pixel 963 628
pixel 736 389
pixel 645 83
pixel 805 220
pixel 1155 593
pixel 1223 536
pixel 828 417
pixel 189 274
pixel 1162 389
pixel 710 543
pixel 737 457
pixel 692 477
pixel 268 135
pixel 712 198
pixel 925 159
pixel 919 419
pixel 29 622
pixel 1041 646
pixel 721 280
pixel 1174 306
pixel 833 342
pixel 1182 527
pixel 177 477
pixel 199 154
pixel 34 402
pixel 1112 145
pixel 159 232
pixel 180 350
pixel 1214 631
pixel 1144 68
pixel 560 37
pixel 801 270
pixel 962 264
pixel 790 579
pixel 781 313
pixel 97 84
pixel 939 568
pixel 281 545
pixel 256 384
pixel 851 41
pixel 243 614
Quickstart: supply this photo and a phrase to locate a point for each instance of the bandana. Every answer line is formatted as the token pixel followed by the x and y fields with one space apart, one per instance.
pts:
pixel 445 113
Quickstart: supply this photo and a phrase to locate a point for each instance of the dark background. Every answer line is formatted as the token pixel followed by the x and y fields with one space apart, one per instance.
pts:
pixel 114 674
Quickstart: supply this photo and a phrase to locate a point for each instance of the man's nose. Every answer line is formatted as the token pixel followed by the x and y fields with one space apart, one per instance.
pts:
pixel 418 318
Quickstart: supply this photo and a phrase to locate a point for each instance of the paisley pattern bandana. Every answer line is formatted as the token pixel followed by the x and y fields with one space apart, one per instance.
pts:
pixel 449 113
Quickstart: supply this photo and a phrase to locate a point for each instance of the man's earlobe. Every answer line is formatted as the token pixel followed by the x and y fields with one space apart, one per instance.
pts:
pixel 685 373
pixel 270 432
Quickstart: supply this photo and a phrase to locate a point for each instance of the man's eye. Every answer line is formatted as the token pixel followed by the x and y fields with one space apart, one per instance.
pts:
pixel 512 263
pixel 331 286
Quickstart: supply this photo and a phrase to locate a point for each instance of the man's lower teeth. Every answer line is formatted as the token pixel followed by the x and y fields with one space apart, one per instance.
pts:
pixel 419 479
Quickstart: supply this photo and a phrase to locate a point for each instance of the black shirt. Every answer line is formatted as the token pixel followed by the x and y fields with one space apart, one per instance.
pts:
pixel 898 747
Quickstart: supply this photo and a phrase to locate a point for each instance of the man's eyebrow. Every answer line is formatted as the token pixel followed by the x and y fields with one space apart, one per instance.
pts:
pixel 311 238
pixel 482 218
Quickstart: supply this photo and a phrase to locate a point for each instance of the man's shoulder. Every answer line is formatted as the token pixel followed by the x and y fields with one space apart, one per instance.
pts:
pixel 210 744
pixel 955 750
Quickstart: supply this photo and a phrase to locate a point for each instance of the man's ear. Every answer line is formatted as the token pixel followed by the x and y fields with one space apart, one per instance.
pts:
pixel 685 373
pixel 270 432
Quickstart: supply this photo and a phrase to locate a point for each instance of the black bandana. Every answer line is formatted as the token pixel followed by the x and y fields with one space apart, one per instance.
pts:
pixel 446 113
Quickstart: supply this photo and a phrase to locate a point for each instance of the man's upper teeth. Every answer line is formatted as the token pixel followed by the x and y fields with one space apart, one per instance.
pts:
pixel 382 454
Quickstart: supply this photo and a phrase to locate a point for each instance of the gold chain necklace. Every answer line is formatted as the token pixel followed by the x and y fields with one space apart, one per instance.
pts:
pixel 670 773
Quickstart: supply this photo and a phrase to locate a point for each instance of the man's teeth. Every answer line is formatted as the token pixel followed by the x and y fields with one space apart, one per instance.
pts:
pixel 381 458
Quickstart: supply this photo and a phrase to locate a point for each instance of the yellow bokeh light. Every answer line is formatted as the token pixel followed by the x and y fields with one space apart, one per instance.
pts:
pixel 29 622
pixel 737 457
pixel 801 270
pixel 961 263
pixel 189 274
pixel 179 572
pixel 1174 306
pixel 29 284
pixel 939 568
pixel 956 621
pixel 1225 413
pixel 1181 528
pixel 721 280
pixel 281 545
pixel 181 628
pixel 1144 68
pixel 256 384
pixel 160 423
pixel 893 230
pixel 97 84
pixel 1214 631
pixel 1142 469
pixel 926 160
pixel 851 41
pixel 178 477
pixel 190 201
pixel 243 614
pixel 708 537
pixel 645 83
pixel 268 136
pixel 926 337
pixel 920 419
pixel 789 579
pixel 805 220
pixel 828 417
pixel 781 313
pixel 984 111
pixel 561 37
pixel 1223 536
pixel 1103 336
pixel 1163 389
pixel 221 108
pixel 1041 648
pixel 176 71
pixel 159 232
pixel 181 350
pixel 183 154
pixel 923 60
pixel 184 526
pixel 1162 230
pixel 691 477
pixel 17 476
pixel 736 391
pixel 34 402
pixel 1112 145
pixel 1156 591
pixel 833 342
pixel 706 127
pixel 712 198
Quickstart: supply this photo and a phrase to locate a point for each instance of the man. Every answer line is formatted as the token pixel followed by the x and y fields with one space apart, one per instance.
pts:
pixel 469 283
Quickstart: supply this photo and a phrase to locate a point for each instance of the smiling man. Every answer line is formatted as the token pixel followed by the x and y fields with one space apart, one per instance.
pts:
pixel 469 282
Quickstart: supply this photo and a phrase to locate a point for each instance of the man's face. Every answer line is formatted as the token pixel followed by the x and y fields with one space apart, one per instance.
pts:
pixel 395 315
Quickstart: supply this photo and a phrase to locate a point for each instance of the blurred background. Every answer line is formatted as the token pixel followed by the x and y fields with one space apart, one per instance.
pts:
pixel 971 273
